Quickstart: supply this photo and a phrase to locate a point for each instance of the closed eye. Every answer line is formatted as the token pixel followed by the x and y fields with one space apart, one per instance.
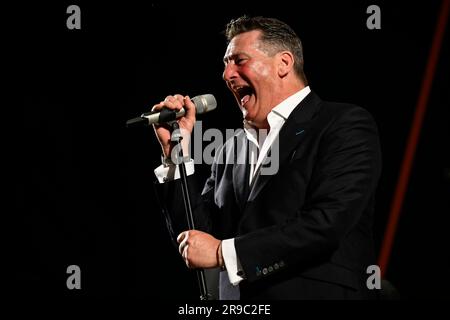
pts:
pixel 238 59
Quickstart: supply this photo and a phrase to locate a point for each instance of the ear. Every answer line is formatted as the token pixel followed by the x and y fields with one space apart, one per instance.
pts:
pixel 285 63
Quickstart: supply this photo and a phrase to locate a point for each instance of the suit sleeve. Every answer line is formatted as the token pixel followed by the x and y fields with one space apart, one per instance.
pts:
pixel 341 186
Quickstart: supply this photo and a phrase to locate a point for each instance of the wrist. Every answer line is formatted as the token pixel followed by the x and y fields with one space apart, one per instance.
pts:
pixel 220 261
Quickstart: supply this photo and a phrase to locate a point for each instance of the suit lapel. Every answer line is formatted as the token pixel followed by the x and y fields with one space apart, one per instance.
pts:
pixel 241 169
pixel 290 136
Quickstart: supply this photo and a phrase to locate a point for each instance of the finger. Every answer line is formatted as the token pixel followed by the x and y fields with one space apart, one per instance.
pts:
pixel 173 103
pixel 183 244
pixel 189 106
pixel 181 247
pixel 185 255
pixel 158 106
pixel 180 98
pixel 182 235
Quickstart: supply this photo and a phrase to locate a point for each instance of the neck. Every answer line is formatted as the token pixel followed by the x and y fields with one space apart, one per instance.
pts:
pixel 293 88
pixel 261 125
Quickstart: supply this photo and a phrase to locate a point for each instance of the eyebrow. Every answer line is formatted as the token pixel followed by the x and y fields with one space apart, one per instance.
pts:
pixel 233 56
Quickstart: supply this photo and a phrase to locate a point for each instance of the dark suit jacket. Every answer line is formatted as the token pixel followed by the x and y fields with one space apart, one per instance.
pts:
pixel 306 231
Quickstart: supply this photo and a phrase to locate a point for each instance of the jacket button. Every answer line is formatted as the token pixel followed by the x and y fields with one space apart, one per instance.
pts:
pixel 270 269
pixel 264 271
pixel 276 266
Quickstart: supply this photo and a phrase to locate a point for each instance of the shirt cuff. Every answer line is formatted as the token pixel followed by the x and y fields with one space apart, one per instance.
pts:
pixel 231 261
pixel 166 173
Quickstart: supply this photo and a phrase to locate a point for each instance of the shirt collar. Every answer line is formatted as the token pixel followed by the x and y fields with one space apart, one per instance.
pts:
pixel 284 109
pixel 279 114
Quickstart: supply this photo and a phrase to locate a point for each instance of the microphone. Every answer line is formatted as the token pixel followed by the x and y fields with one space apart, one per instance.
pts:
pixel 203 103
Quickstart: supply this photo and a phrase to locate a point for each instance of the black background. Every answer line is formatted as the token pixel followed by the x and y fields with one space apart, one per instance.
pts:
pixel 82 183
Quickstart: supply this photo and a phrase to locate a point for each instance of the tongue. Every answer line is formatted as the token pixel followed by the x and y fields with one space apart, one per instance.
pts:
pixel 245 99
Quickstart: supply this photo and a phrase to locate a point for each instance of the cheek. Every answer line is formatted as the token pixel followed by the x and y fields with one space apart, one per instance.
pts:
pixel 260 69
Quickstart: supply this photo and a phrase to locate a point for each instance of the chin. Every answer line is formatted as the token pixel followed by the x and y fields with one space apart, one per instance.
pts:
pixel 249 115
pixel 249 119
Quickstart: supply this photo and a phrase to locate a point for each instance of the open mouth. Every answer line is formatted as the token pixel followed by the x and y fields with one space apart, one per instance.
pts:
pixel 243 94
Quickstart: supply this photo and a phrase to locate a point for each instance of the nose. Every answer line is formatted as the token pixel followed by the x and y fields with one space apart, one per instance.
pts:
pixel 229 72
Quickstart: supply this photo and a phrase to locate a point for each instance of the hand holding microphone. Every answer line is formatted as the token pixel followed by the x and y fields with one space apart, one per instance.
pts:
pixel 163 132
pixel 174 107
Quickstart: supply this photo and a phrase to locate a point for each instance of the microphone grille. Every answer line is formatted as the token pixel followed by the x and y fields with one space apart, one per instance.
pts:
pixel 204 103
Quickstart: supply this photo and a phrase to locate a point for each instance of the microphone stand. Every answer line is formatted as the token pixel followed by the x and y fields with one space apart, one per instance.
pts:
pixel 176 138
